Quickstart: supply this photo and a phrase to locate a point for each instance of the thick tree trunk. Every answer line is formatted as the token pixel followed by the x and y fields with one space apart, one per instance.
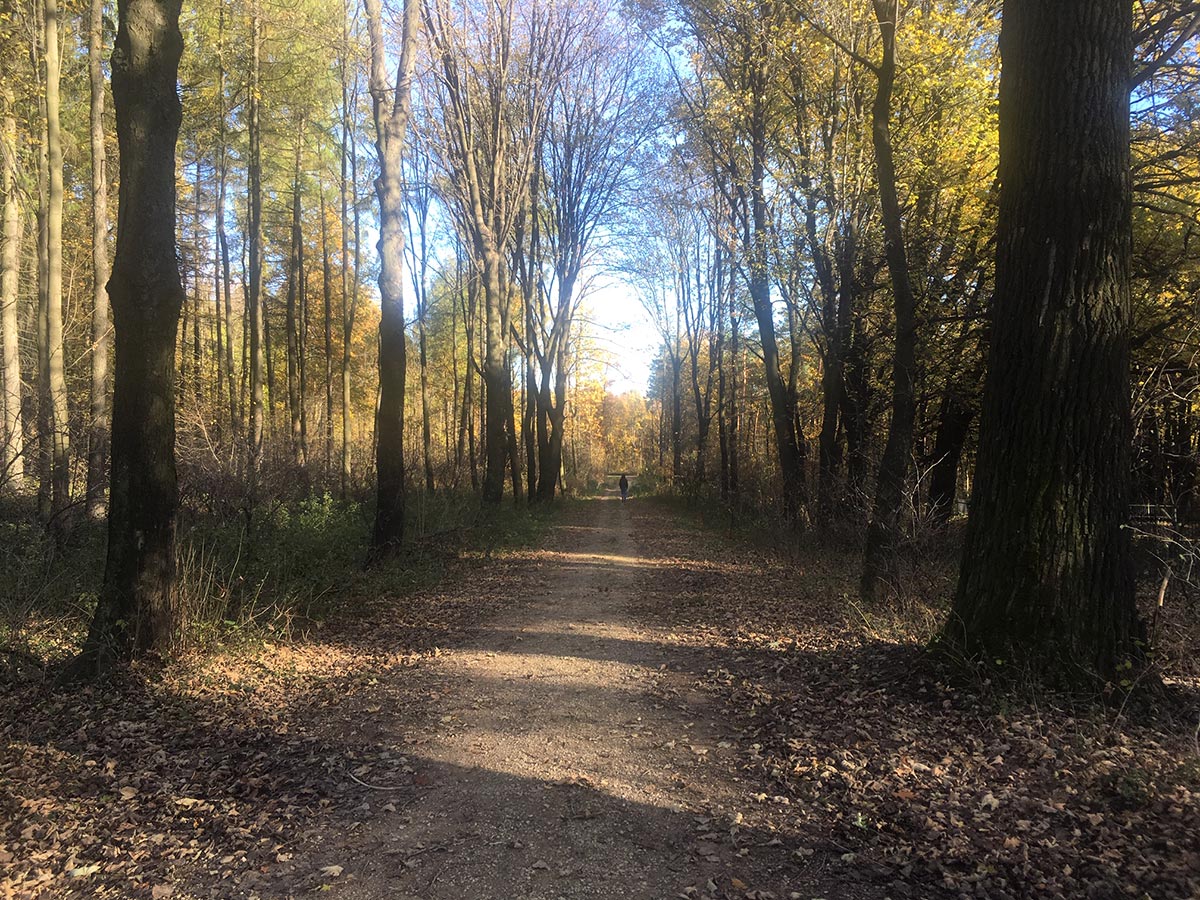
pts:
pixel 13 458
pixel 885 533
pixel 98 425
pixel 1046 577
pixel 135 611
pixel 391 107
pixel 60 435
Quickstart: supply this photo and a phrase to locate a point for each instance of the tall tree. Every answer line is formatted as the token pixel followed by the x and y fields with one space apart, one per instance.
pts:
pixel 254 237
pixel 98 425
pixel 59 427
pixel 135 612
pixel 495 70
pixel 391 104
pixel 885 531
pixel 1046 576
pixel 13 459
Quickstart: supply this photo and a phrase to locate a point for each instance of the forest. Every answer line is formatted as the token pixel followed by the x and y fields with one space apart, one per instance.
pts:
pixel 600 448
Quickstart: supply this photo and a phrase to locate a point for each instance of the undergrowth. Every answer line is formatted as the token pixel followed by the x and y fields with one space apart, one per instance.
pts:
pixel 290 567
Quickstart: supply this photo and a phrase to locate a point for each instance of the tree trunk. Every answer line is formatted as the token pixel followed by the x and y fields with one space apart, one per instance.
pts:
pixel 954 424
pixel 44 414
pixel 391 107
pixel 885 533
pixel 224 281
pixel 426 433
pixel 327 303
pixel 782 405
pixel 254 313
pixel 135 611
pixel 495 376
pixel 197 368
pixel 293 321
pixel 1046 578
pixel 98 424
pixel 349 189
pixel 13 459
pixel 59 424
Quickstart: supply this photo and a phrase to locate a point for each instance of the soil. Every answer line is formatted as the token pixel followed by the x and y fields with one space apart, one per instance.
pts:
pixel 564 753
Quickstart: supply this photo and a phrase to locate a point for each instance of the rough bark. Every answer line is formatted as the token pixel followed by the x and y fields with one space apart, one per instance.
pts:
pixel 135 611
pixel 1046 579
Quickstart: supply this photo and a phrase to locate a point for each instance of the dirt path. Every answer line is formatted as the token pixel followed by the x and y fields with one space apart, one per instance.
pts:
pixel 565 757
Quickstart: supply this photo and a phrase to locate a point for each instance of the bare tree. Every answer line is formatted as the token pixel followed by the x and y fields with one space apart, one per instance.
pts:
pixel 493 74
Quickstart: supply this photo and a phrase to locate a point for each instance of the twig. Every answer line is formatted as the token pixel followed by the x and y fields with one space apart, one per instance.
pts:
pixel 377 787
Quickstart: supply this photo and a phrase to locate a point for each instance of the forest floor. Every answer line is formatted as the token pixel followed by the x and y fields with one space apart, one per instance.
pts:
pixel 637 708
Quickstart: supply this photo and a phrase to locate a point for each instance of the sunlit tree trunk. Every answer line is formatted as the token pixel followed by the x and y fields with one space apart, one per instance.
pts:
pixel 391 107
pixel 56 373
pixel 98 425
pixel 13 458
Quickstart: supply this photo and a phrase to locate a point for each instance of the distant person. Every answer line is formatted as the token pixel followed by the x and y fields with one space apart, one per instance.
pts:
pixel 624 488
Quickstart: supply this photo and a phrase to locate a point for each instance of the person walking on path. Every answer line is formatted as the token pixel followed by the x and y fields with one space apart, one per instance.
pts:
pixel 624 483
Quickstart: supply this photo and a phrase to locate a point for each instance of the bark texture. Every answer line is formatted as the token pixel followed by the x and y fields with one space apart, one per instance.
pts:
pixel 1046 576
pixel 135 612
